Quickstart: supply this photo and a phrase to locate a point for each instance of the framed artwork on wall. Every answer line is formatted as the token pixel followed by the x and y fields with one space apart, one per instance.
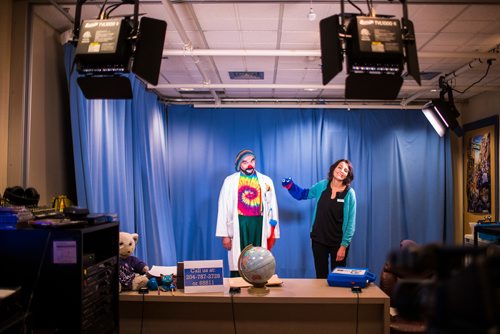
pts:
pixel 480 171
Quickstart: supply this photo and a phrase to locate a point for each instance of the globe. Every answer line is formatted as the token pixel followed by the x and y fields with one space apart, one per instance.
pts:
pixel 256 265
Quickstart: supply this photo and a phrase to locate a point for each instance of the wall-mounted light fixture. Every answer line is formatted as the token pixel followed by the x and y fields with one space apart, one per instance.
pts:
pixel 442 113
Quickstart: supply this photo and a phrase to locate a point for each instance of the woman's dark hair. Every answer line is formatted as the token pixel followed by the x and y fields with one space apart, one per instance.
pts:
pixel 350 176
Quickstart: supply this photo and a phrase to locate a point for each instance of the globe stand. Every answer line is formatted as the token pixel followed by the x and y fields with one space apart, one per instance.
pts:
pixel 258 290
pixel 258 287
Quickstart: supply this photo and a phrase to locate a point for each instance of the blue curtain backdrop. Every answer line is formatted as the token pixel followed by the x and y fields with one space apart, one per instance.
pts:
pixel 161 168
pixel 402 176
pixel 120 152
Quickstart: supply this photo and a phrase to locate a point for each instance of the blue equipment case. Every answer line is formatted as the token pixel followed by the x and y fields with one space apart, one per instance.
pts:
pixel 350 277
pixel 491 232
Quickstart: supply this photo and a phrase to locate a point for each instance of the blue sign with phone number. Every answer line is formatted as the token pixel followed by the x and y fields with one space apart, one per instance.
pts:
pixel 203 277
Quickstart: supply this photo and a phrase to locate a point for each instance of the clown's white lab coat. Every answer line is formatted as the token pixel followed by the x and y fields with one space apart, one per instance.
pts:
pixel 227 216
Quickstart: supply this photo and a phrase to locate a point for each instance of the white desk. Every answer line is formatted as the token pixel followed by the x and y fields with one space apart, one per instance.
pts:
pixel 305 306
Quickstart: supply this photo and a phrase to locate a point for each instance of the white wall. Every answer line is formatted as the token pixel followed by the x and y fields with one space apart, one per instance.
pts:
pixel 39 148
pixel 50 165
pixel 481 106
pixel 5 42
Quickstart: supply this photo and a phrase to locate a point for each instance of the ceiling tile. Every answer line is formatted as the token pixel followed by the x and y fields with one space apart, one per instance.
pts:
pixel 304 37
pixel 429 26
pixel 259 25
pixel 302 24
pixel 259 63
pixel 224 39
pixel 434 12
pixel 258 11
pixel 481 12
pixel 450 39
pixel 466 26
pixel 210 18
pixel 229 63
pixel 259 37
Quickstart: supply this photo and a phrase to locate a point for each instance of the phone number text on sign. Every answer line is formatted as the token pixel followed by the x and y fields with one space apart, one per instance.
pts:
pixel 203 276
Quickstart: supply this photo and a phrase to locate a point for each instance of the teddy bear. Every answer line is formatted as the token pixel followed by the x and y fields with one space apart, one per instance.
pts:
pixel 132 275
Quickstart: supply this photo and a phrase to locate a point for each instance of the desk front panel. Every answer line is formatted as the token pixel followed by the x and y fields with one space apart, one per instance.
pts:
pixel 304 306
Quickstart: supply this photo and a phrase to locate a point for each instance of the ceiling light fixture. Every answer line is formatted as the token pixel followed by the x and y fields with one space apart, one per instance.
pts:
pixel 311 16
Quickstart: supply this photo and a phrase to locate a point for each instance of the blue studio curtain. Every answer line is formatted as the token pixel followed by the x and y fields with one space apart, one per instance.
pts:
pixel 161 170
pixel 402 176
pixel 120 164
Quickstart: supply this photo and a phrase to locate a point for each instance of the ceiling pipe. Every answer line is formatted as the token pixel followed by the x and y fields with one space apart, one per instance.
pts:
pixel 465 68
pixel 188 45
pixel 415 96
pixel 252 86
pixel 279 35
pixel 449 76
pixel 305 106
pixel 244 86
pixel 312 53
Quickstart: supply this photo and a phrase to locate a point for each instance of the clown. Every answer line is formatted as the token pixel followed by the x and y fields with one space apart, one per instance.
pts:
pixel 248 210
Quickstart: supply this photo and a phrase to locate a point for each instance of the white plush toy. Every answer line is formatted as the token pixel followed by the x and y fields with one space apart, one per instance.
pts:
pixel 132 269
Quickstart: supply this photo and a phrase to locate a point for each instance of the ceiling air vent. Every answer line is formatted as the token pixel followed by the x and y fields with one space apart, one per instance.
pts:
pixel 234 75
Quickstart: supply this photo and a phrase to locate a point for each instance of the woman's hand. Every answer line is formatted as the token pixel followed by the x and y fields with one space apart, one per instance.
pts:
pixel 340 254
pixel 227 243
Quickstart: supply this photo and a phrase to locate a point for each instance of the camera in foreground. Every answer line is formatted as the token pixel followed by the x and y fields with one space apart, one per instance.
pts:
pixel 460 291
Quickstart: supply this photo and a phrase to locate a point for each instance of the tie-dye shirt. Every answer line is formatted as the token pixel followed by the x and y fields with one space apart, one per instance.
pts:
pixel 249 196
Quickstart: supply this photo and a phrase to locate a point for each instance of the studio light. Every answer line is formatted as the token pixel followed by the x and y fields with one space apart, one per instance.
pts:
pixel 376 48
pixel 442 113
pixel 433 114
pixel 108 49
